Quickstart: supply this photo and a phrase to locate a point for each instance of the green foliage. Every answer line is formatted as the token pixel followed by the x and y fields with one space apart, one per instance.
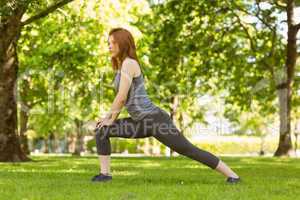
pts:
pixel 211 38
pixel 54 64
pixel 187 49
pixel 65 73
pixel 229 48
pixel 9 7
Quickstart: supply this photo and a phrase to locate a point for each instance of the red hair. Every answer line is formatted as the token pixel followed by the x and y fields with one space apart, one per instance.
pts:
pixel 126 45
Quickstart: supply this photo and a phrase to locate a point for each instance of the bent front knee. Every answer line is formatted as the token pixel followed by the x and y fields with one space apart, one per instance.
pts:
pixel 101 134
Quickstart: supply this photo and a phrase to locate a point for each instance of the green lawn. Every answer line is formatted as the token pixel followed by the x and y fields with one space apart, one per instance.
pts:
pixel 149 178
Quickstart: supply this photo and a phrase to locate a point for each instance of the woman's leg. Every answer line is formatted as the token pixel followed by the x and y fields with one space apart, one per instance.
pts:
pixel 104 161
pixel 225 170
pixel 167 133
pixel 172 138
pixel 124 128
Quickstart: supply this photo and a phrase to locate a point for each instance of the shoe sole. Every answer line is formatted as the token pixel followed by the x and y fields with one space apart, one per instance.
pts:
pixel 95 181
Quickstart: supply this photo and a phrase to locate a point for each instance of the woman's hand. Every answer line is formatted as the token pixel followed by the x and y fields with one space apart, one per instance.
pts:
pixel 99 121
pixel 104 121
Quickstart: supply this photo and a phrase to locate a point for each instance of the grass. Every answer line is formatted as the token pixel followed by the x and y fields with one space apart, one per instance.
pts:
pixel 149 178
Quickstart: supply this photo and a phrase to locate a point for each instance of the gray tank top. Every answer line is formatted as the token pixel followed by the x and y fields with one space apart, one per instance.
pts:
pixel 138 104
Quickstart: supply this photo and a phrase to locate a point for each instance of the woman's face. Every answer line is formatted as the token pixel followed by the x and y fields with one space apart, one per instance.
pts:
pixel 113 46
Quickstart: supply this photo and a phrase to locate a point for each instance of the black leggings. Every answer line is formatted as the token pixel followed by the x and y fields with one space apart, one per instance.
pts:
pixel 159 125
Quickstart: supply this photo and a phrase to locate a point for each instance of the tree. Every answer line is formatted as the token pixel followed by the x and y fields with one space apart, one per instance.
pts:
pixel 62 74
pixel 11 24
pixel 282 75
pixel 239 48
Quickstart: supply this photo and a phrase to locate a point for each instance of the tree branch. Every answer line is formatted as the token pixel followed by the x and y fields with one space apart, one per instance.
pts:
pixel 246 31
pixel 46 12
pixel 252 43
pixel 280 5
pixel 257 14
pixel 297 26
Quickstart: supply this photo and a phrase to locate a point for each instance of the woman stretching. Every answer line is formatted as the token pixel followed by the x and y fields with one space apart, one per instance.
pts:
pixel 146 119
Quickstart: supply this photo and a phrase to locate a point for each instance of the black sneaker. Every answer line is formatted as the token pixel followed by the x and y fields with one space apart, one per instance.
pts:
pixel 232 180
pixel 101 178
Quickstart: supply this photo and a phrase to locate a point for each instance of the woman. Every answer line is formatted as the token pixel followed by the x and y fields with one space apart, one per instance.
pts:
pixel 146 119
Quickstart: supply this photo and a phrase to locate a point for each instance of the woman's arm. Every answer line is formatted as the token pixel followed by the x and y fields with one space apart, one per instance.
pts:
pixel 127 73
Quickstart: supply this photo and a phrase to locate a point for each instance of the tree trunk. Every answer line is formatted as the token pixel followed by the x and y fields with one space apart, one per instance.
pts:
pixel 46 145
pixel 64 144
pixel 71 143
pixel 10 29
pixel 23 128
pixel 262 145
pixel 51 140
pixel 175 103
pixel 285 142
pixel 151 144
pixel 285 88
pixel 56 144
pixel 79 138
pixel 147 150
pixel 24 116
pixel 296 134
pixel 78 144
pixel 10 149
pixel 296 142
